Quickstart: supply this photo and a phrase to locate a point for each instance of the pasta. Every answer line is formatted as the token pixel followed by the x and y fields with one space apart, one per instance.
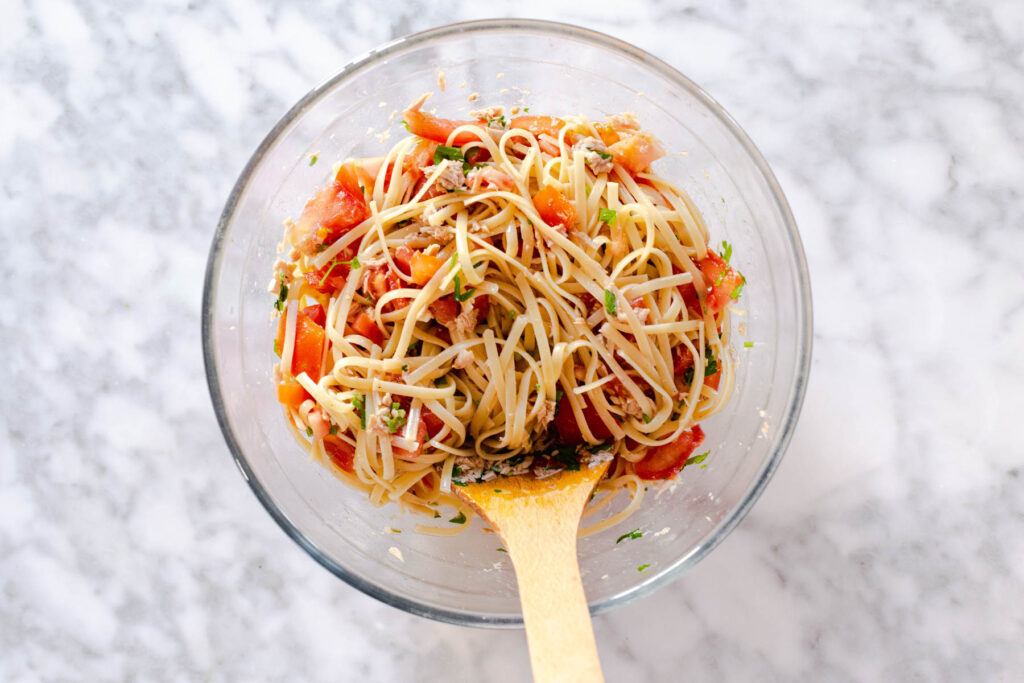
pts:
pixel 498 296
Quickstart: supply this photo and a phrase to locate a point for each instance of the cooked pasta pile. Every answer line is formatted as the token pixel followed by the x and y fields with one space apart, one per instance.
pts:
pixel 498 296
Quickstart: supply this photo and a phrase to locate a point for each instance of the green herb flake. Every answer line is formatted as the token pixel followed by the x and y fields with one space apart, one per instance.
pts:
pixel 440 381
pixel 558 395
pixel 454 261
pixel 359 403
pixel 282 296
pixel 320 247
pixel 451 153
pixel 312 159
pixel 711 363
pixel 396 418
pixel 512 315
pixel 394 530
pixel 333 430
pixel 604 155
pixel 406 124
pixel 726 251
pixel 635 533
pixel 537 387
pixel 277 348
pixel 606 216
pixel 748 345
pixel 309 431
pixel 697 459
pixel 405 368
pixel 459 519
pixel 497 490
pixel 501 550
pixel 609 302
pixel 459 483
pixel 459 294
pixel 642 567
pixel 354 263
pixel 735 294
pixel 437 515
pixel 415 346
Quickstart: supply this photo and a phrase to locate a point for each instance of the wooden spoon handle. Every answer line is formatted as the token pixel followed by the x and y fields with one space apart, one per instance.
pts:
pixel 555 613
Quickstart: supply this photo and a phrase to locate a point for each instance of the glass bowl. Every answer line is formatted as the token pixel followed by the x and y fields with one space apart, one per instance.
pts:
pixel 553 69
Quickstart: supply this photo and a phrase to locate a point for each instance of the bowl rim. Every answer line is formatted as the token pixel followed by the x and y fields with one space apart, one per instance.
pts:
pixel 804 310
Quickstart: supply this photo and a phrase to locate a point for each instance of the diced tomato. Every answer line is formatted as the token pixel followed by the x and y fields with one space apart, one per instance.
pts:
pixel 424 266
pixel 421 437
pixel 548 125
pixel 403 259
pixel 334 209
pixel 482 304
pixel 381 280
pixel 682 360
pixel 569 430
pixel 421 155
pixel 609 136
pixel 433 128
pixel 444 310
pixel 636 152
pixel 364 325
pixel 664 462
pixel 341 452
pixel 433 422
pixel 553 208
pixel 316 314
pixel 309 347
pixel 720 279
pixel 713 381
pixel 292 394
pixel 477 155
pixel 331 277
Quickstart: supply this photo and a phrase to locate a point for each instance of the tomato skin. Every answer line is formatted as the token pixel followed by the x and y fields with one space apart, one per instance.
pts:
pixel 433 423
pixel 636 152
pixel 364 325
pixel 569 431
pixel 437 129
pixel 316 314
pixel 664 462
pixel 482 304
pixel 422 155
pixel 403 259
pixel 609 136
pixel 333 210
pixel 340 452
pixel 423 266
pixel 445 310
pixel 292 394
pixel 309 347
pixel 553 208
pixel 548 125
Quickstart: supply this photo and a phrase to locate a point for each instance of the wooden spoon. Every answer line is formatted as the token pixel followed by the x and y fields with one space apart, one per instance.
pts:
pixel 538 519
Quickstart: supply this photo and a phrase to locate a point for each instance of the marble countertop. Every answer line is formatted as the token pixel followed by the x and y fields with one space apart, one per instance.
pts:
pixel 889 546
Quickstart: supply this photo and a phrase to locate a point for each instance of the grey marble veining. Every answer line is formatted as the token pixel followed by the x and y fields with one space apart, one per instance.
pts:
pixel 890 545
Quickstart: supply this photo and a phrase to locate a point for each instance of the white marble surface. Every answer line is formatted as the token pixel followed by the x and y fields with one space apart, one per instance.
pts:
pixel 890 545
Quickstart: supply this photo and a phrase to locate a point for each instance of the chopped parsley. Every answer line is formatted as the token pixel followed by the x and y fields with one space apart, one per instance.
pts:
pixel 309 431
pixel 501 550
pixel 320 247
pixel 642 567
pixel 739 288
pixel 396 418
pixel 394 530
pixel 406 124
pixel 604 155
pixel 277 348
pixel 334 429
pixel 441 381
pixel 609 302
pixel 748 345
pixel 454 261
pixel 445 152
pixel 512 315
pixel 437 515
pixel 405 368
pixel 711 366
pixel 460 518
pixel 415 346
pixel 606 216
pixel 500 120
pixel 726 251
pixel 282 295
pixel 354 263
pixel 359 403
pixel 558 395
pixel 566 456
pixel 635 533
pixel 459 294
pixel 697 459
pixel 312 159
pixel 647 418
pixel 497 490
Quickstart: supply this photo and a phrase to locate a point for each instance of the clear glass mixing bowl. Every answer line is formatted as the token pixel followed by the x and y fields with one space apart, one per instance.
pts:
pixel 552 68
